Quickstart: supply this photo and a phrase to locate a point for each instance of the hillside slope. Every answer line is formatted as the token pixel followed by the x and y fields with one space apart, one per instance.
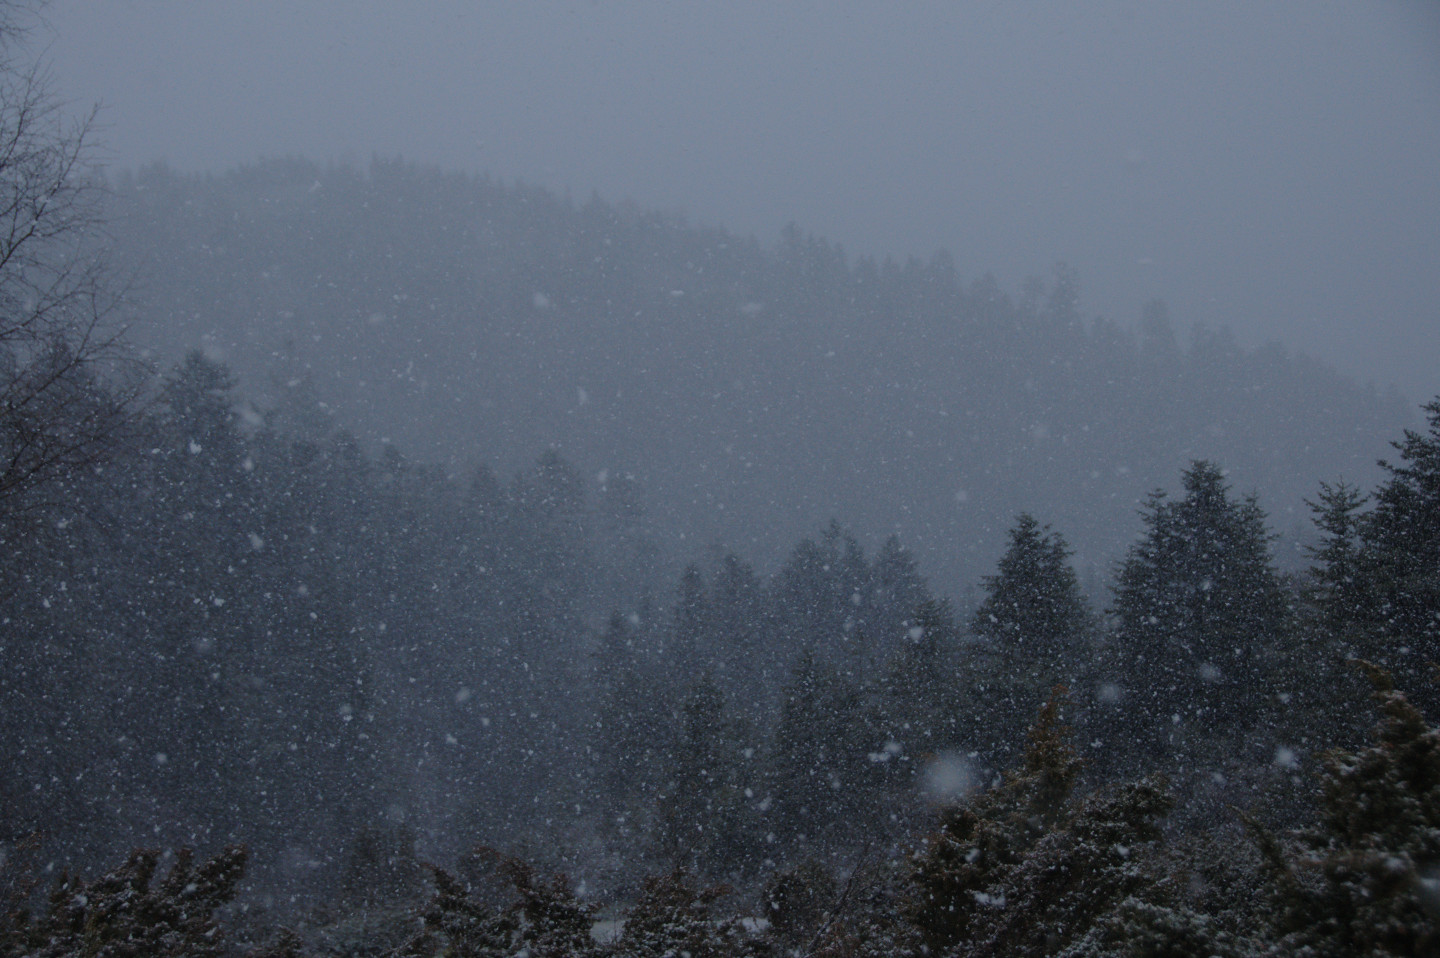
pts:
pixel 754 391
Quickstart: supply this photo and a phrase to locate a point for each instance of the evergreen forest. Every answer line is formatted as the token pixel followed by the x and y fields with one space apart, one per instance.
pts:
pixel 399 562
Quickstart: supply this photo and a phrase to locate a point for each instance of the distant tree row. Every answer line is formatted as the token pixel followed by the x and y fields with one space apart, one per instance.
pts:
pixel 756 388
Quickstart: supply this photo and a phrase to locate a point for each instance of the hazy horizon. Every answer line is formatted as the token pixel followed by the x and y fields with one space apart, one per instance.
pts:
pixel 1264 167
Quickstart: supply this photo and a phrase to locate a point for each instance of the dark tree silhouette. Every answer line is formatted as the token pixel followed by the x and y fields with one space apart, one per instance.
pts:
pixel 1199 607
pixel 1033 611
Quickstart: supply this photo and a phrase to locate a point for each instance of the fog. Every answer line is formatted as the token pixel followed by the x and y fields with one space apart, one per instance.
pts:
pixel 1267 166
pixel 618 480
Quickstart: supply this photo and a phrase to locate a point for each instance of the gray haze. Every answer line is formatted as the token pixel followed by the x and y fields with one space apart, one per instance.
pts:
pixel 549 429
pixel 1267 166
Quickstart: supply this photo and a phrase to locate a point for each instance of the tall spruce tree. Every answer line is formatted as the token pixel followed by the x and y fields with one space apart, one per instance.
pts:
pixel 1338 580
pixel 630 732
pixel 1035 624
pixel 703 818
pixel 1200 608
pixel 1402 542
pixel 817 756
pixel 1033 612
pixel 1378 572
pixel 921 703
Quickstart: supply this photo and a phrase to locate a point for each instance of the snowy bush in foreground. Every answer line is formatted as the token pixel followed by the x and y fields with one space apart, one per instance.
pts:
pixel 127 913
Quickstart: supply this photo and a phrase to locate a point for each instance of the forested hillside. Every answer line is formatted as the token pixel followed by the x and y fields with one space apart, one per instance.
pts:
pixel 288 619
pixel 225 632
pixel 410 563
pixel 755 392
pixel 787 603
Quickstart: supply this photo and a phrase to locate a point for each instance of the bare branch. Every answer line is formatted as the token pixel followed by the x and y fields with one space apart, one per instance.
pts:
pixel 66 383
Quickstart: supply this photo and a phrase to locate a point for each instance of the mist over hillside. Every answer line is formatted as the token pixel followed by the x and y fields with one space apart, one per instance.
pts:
pixel 398 561
pixel 754 390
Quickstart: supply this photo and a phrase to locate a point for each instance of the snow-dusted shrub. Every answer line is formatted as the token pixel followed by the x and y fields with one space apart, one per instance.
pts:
pixel 962 870
pixel 1365 880
pixel 673 917
pixel 126 914
pixel 544 920
pixel 795 901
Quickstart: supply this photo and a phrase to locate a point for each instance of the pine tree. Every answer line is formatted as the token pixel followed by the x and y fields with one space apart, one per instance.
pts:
pixel 1339 579
pixel 921 705
pixel 896 590
pixel 1200 608
pixel 1377 573
pixel 1033 623
pixel 688 649
pixel 818 758
pixel 735 625
pixel 1033 613
pixel 703 804
pixel 1401 551
pixel 630 734
pixel 816 598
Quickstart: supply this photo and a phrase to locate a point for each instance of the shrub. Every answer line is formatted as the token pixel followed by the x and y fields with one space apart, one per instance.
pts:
pixel 126 915
pixel 545 920
pixel 1366 879
pixel 672 917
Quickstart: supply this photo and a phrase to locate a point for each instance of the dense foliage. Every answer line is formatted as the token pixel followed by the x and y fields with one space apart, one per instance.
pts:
pixel 1031 866
pixel 231 634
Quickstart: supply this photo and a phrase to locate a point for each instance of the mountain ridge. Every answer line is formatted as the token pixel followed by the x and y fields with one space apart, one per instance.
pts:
pixel 755 392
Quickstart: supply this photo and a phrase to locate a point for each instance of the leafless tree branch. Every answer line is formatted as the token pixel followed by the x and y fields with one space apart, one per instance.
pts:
pixel 67 383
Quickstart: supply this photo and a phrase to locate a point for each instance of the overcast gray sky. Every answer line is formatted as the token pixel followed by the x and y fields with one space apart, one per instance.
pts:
pixel 1270 166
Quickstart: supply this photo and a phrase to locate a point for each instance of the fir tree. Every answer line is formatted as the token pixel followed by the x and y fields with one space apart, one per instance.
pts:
pixel 1033 621
pixel 1032 605
pixel 1401 552
pixel 1339 578
pixel 1200 610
